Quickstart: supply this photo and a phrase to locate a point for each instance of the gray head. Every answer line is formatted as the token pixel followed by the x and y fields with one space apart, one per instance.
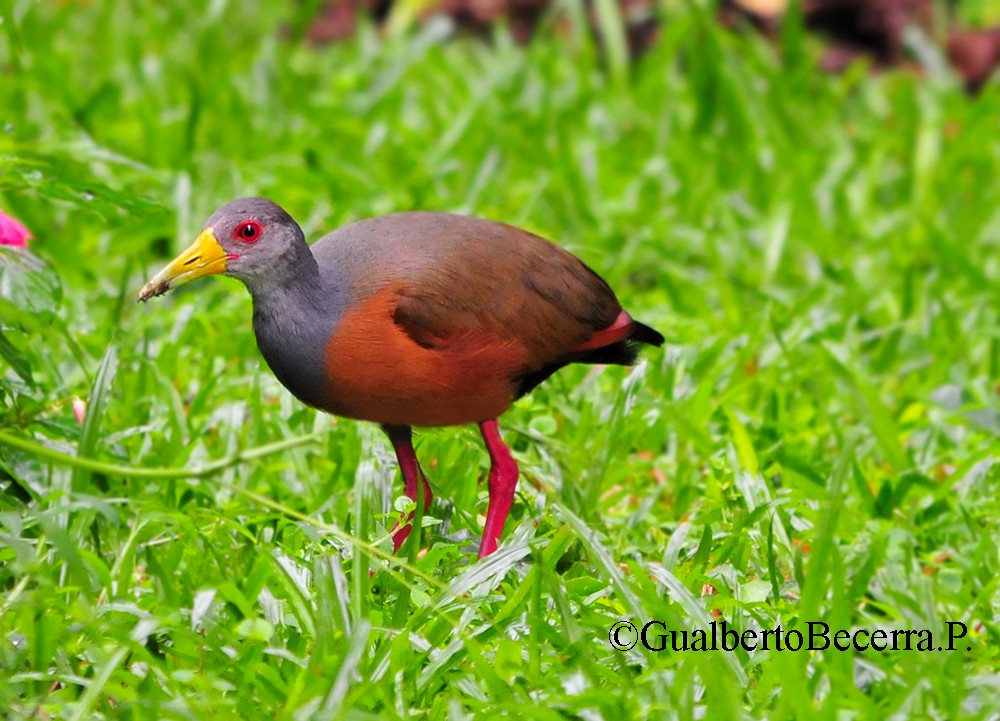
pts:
pixel 252 239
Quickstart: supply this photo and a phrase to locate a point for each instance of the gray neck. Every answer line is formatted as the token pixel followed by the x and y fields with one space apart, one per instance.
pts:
pixel 294 271
pixel 293 318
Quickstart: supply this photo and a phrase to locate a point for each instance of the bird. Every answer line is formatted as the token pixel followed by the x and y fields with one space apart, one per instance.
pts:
pixel 414 319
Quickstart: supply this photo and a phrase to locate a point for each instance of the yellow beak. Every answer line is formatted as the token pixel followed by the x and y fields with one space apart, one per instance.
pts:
pixel 204 257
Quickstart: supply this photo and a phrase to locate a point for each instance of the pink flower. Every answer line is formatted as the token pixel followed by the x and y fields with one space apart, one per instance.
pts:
pixel 12 232
pixel 79 409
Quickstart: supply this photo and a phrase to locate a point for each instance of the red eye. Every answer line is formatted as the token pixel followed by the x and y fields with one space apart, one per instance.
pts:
pixel 247 232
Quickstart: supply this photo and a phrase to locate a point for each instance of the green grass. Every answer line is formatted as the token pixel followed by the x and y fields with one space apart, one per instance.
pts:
pixel 815 443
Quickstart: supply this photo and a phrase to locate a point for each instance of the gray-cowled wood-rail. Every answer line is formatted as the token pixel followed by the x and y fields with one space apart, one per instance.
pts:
pixel 413 319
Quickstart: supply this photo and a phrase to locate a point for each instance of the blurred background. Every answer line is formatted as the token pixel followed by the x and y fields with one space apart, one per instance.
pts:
pixel 802 196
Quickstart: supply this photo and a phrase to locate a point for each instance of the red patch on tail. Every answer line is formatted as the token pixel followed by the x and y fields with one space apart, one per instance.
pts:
pixel 617 331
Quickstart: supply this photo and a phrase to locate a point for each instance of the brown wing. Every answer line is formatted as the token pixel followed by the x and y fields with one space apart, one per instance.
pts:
pixel 502 286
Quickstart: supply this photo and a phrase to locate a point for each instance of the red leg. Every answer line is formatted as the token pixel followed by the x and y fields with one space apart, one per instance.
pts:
pixel 503 481
pixel 402 443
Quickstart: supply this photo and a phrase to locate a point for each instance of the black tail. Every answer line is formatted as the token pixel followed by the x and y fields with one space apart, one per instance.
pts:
pixel 642 333
pixel 622 353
